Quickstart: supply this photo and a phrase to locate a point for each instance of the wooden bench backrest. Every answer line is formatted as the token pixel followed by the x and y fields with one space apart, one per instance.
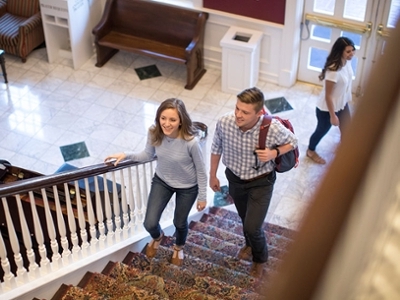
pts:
pixel 156 21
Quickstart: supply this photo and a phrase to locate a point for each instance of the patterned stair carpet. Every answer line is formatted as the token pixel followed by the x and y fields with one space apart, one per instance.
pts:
pixel 210 269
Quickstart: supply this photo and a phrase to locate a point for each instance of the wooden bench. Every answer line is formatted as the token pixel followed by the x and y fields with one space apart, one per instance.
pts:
pixel 154 29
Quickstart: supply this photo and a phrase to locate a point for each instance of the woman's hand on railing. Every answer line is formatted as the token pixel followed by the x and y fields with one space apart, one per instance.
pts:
pixel 117 157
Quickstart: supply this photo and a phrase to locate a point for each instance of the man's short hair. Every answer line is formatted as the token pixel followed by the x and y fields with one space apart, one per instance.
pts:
pixel 252 96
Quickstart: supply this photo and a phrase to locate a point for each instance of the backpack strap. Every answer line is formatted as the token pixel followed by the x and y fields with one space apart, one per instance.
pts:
pixel 264 131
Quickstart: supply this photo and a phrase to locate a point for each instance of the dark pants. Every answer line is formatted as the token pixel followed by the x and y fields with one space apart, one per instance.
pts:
pixel 252 200
pixel 324 124
pixel 160 195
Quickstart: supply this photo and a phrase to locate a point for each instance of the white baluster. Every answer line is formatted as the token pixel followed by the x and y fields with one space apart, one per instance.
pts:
pixel 145 187
pixel 22 275
pixel 9 278
pixel 108 211
pixel 116 209
pixel 72 225
pixel 92 227
pixel 151 171
pixel 56 258
pixel 26 235
pixel 45 266
pixel 141 208
pixel 66 254
pixel 82 221
pixel 124 205
pixel 131 199
pixel 99 213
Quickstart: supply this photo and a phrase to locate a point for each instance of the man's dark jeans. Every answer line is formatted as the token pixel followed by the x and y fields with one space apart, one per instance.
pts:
pixel 252 199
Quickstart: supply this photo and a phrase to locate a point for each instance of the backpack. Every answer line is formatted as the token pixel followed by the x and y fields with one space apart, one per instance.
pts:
pixel 284 162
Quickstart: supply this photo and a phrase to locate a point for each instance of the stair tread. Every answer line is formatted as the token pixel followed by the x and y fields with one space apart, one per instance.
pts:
pixel 222 259
pixel 233 238
pixel 104 286
pixel 275 236
pixel 71 292
pixel 133 276
pixel 233 216
pixel 189 277
pixel 200 267
pixel 227 248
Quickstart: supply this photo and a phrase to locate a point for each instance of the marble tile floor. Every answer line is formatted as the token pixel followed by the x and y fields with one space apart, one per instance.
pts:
pixel 46 106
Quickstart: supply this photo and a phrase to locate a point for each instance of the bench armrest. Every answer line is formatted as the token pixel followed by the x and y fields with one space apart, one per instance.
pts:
pixel 104 25
pixel 198 34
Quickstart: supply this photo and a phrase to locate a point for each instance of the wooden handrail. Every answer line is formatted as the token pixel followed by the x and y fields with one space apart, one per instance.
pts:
pixel 26 185
pixel 303 267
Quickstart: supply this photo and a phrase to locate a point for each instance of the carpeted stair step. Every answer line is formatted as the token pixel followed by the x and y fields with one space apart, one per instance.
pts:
pixel 274 238
pixel 142 262
pixel 183 276
pixel 226 248
pixel 230 237
pixel 71 292
pixel 210 269
pixel 191 278
pixel 216 257
pixel 234 217
pixel 202 267
pixel 161 286
pixel 106 287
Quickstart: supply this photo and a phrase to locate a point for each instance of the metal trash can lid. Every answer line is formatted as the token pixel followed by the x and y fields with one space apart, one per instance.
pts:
pixel 202 128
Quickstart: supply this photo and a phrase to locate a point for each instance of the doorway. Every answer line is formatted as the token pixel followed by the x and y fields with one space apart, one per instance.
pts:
pixel 367 22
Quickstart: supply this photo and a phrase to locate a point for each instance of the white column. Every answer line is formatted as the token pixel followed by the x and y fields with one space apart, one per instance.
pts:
pixel 290 45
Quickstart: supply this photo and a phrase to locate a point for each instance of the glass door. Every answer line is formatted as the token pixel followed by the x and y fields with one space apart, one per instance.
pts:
pixel 367 22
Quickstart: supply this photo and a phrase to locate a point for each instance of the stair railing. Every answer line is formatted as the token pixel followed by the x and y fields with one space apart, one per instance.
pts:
pixel 50 222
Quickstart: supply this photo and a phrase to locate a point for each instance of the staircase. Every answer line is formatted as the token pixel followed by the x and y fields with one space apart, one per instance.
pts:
pixel 210 269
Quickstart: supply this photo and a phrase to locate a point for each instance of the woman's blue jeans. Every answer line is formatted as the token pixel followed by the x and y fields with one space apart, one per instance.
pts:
pixel 160 195
pixel 324 124
pixel 252 201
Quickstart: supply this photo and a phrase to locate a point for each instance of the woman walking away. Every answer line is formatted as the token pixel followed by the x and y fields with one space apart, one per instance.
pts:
pixel 332 106
pixel 180 170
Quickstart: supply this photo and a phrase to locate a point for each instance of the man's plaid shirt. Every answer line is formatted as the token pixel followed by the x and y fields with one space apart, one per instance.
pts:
pixel 237 147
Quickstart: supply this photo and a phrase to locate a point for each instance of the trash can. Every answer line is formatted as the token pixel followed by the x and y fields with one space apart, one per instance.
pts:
pixel 202 131
pixel 240 59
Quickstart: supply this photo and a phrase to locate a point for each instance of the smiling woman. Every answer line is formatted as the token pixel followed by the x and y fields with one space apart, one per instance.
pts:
pixel 180 170
pixel 367 23
pixel 332 106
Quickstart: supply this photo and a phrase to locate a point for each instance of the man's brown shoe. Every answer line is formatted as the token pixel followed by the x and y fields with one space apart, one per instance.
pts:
pixel 257 269
pixel 245 253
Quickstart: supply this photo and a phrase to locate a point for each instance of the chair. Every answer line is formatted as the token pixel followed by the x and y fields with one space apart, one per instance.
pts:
pixel 21 28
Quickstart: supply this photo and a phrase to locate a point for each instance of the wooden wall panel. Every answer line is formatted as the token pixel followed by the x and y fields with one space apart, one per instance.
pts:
pixel 266 10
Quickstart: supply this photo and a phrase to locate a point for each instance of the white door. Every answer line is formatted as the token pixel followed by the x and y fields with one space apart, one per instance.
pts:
pixel 367 22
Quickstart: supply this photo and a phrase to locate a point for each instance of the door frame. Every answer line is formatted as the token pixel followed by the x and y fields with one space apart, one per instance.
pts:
pixel 373 30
